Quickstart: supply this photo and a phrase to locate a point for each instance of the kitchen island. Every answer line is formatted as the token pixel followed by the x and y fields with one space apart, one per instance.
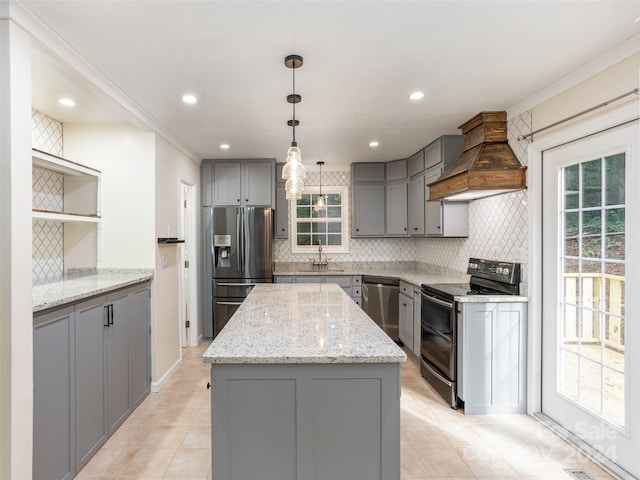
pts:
pixel 304 386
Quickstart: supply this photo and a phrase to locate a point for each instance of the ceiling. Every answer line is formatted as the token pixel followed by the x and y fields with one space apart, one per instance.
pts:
pixel 361 61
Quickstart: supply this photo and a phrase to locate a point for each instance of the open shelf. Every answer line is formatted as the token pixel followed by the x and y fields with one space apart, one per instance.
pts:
pixel 61 165
pixel 64 217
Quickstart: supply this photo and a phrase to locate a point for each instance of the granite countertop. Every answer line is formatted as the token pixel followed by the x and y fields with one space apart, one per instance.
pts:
pixel 79 284
pixel 301 324
pixel 410 272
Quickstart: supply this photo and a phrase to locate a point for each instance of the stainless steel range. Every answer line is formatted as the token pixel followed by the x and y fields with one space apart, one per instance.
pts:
pixel 439 337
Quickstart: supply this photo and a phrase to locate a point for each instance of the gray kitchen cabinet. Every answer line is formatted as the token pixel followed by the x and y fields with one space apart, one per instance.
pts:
pixel 206 271
pixel 492 354
pixel 281 213
pixel 227 184
pixel 405 318
pixel 246 183
pixel 117 337
pixel 415 163
pixel 90 379
pixel 396 170
pixel 396 209
pixel 369 172
pixel 257 183
pixel 91 369
pixel 206 182
pixel 417 321
pixel 369 210
pixel 445 219
pixel 284 279
pixel 53 401
pixel 139 344
pixel 416 205
pixel 352 285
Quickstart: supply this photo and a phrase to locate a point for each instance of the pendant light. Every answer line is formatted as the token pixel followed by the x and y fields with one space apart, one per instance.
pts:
pixel 320 204
pixel 294 171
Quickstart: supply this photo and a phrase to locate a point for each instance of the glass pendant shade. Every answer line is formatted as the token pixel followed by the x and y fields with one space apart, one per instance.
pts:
pixel 320 204
pixel 294 184
pixel 294 169
pixel 293 195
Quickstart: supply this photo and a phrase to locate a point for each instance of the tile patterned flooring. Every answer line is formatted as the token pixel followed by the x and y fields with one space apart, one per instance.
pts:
pixel 168 437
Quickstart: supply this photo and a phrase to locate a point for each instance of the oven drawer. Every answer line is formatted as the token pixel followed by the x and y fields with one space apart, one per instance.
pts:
pixel 439 352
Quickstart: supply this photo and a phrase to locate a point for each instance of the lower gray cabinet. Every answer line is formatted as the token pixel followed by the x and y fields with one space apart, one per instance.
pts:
pixel 405 319
pixel 91 369
pixel 139 345
pixel 53 401
pixel 117 336
pixel 90 380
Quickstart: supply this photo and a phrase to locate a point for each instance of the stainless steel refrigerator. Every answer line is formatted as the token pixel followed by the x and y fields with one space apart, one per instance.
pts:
pixel 240 257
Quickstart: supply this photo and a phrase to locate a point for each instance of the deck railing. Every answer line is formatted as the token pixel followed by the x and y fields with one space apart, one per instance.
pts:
pixel 584 295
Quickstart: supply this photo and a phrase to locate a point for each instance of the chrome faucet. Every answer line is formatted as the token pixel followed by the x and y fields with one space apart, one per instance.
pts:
pixel 320 264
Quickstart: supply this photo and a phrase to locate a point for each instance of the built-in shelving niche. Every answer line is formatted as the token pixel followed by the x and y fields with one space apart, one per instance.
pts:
pixel 78 209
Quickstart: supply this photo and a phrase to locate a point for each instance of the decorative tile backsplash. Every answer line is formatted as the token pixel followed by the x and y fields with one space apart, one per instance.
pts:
pixel 497 226
pixel 48 237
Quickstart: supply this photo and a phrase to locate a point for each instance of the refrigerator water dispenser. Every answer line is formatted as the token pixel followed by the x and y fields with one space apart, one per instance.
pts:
pixel 222 250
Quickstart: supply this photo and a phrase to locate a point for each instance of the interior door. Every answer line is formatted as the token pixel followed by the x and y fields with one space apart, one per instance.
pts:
pixel 591 202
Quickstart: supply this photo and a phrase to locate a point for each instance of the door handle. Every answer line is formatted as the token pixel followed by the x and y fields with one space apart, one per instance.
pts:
pixel 437 301
pixel 229 303
pixel 106 315
pixel 111 315
pixel 236 284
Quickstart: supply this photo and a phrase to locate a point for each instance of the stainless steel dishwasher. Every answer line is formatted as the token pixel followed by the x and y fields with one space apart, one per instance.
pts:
pixel 380 302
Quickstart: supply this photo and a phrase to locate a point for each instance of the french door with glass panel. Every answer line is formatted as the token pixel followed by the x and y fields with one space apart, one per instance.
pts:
pixel 591 217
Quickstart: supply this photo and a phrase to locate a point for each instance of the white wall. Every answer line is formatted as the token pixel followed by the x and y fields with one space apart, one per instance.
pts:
pixel 16 326
pixel 171 167
pixel 125 155
pixel 600 88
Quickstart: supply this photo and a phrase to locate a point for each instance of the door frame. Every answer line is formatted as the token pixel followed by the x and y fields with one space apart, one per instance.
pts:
pixel 194 329
pixel 612 117
pixel 625 112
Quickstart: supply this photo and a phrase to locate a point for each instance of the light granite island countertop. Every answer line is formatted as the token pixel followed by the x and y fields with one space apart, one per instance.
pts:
pixel 304 385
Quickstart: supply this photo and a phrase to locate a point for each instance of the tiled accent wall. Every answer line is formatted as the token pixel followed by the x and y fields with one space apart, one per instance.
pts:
pixel 497 225
pixel 360 249
pixel 48 238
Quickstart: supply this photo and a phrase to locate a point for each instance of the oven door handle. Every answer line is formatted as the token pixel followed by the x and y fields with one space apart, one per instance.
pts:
pixel 437 300
pixel 436 374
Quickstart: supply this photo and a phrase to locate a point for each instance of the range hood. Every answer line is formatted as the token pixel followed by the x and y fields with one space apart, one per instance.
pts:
pixel 486 167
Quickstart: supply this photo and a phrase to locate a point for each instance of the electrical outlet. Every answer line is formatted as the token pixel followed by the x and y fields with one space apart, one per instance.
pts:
pixel 165 261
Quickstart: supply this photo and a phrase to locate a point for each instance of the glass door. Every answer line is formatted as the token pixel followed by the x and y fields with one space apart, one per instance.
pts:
pixel 590 220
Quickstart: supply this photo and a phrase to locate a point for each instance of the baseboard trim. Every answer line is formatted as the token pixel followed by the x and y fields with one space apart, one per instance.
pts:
pixel 157 386
pixel 595 456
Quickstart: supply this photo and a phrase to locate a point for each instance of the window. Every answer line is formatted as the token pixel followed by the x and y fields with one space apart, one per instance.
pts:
pixel 330 227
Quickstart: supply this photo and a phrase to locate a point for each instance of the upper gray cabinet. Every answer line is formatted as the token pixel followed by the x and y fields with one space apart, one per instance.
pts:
pixel 246 183
pixel 368 172
pixel 416 205
pixel 415 163
pixel 442 218
pixel 369 210
pixel 396 208
pixel 281 214
pixel 396 170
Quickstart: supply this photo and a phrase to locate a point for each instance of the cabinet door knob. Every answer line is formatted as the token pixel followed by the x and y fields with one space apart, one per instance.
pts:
pixel 246 199
pixel 238 200
pixel 405 229
pixel 415 228
pixel 357 229
pixel 208 385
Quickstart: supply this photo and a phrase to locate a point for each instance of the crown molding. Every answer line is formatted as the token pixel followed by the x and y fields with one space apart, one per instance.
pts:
pixel 63 51
pixel 629 47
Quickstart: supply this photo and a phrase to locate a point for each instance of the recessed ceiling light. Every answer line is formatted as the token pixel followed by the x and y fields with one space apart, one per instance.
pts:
pixel 225 146
pixel 416 95
pixel 67 102
pixel 189 99
pixel 374 144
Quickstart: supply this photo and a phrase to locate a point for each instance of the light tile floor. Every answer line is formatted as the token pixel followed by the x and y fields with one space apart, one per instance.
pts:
pixel 168 437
